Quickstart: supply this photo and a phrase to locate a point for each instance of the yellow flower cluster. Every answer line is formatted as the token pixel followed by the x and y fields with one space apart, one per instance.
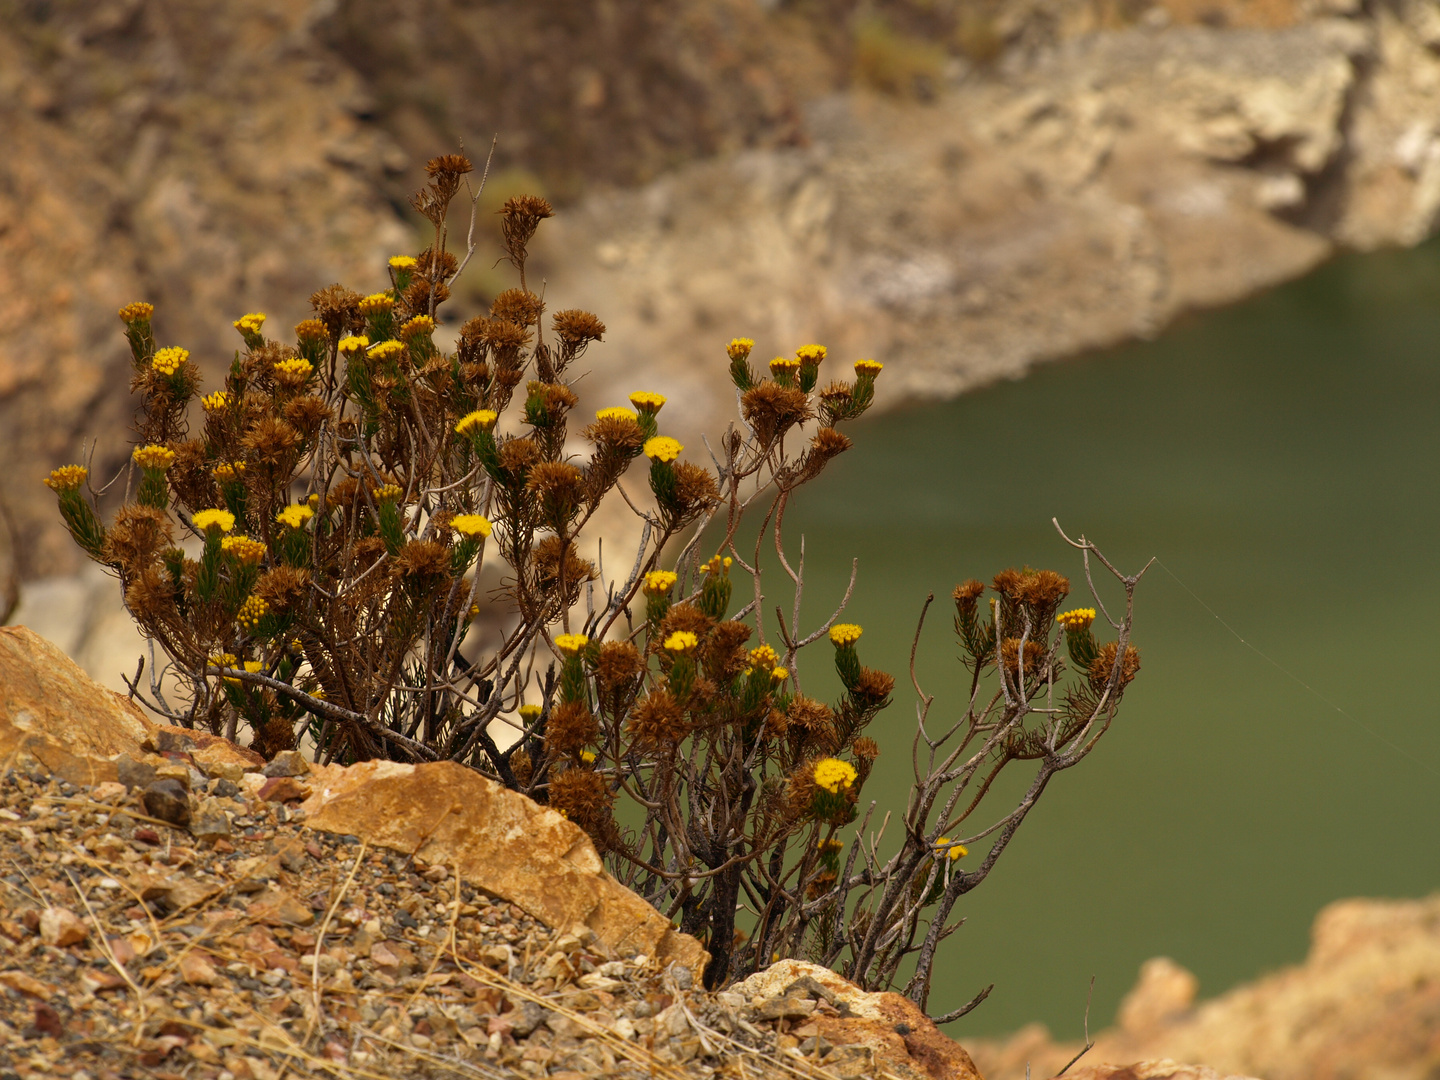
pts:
pixel 228 472
pixel 153 457
pixel 353 344
pixel 137 311
pixel 67 478
pixel 739 348
pixel 617 412
pixel 829 846
pixel 780 674
pixel 417 325
pixel 215 402
pixel 251 612
pixel 471 524
pixel 845 634
pixel 295 515
pixel 205 520
pixel 681 641
pixel 297 368
pixel 387 491
pixel 663 448
pixel 832 774
pixel 764 657
pixel 955 851
pixel 376 303
pixel 482 419
pixel 529 713
pixel 570 645
pixel 810 354
pixel 250 324
pixel 243 549
pixel 386 350
pixel 1079 619
pixel 868 367
pixel 403 262
pixel 659 582
pixel 167 361
pixel 224 659
pixel 587 756
pixel 716 564
pixel 783 365
pixel 647 401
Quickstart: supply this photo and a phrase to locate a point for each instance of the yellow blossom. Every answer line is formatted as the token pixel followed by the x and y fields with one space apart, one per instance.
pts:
pixel 830 846
pixel 571 644
pixel 587 756
pixel 868 367
pixel 353 344
pixel 1079 619
pixel 403 262
pixel 153 457
pixel 223 659
pixel 386 350
pixel 67 478
pixel 832 774
pixel 168 361
pixel 617 412
pixel 137 311
pixel 659 582
pixel 663 448
pixel 943 846
pixel 783 365
pixel 205 520
pixel 228 472
pixel 529 713
pixel 764 656
pixel 417 325
pixel 295 515
pixel 251 612
pixel 250 324
pixel 647 401
pixel 845 634
pixel 296 367
pixel 243 549
pixel 471 524
pixel 739 348
pixel 810 354
pixel 481 419
pixel 780 674
pixel 387 492
pixel 681 641
pixel 376 303
pixel 215 402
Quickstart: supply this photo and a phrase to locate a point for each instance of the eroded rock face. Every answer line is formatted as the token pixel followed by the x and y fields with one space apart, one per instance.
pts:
pixel 1365 1004
pixel 499 841
pixel 54 712
pixel 905 1041
pixel 1149 1070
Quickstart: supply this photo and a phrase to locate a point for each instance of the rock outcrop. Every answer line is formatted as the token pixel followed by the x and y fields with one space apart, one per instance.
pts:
pixel 1365 1004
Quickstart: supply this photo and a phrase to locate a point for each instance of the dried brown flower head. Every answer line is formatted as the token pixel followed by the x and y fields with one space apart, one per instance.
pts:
pixel 273 442
pixel 724 653
pixel 423 559
pixel 656 722
pixel 967 592
pixel 138 535
pixel 695 488
pixel 570 729
pixel 560 487
pixel 582 796
pixel 520 217
pixel 519 306
pixel 338 308
pixel 1103 665
pixel 873 686
pixel 772 409
pixel 577 328
pixel 283 586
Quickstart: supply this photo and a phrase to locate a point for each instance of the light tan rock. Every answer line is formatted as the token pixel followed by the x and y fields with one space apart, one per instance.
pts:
pixel 60 926
pixel 51 710
pixel 1364 1004
pixel 196 968
pixel 212 755
pixel 499 841
pixel 905 1041
pixel 1163 1069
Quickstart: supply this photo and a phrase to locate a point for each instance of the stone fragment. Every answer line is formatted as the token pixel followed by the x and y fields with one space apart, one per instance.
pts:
pixel 287 763
pixel 61 927
pixel 283 789
pixel 209 821
pixel 784 1008
pixel 42 692
pixel 196 969
pixel 134 773
pixel 167 800
pixel 502 842
pixel 276 907
pixel 27 984
pixel 108 792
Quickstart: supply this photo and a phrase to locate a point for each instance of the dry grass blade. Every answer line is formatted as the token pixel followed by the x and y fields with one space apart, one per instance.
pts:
pixel 316 1015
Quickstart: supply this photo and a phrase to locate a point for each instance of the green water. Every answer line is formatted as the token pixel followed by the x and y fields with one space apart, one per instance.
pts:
pixel 1281 459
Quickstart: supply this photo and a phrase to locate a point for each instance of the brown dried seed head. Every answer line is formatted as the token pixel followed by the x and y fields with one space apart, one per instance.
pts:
pixel 518 455
pixel 271 440
pixel 828 442
pixel 455 164
pixel 583 797
pixel 695 487
pixel 873 686
pixel 546 555
pixel 1007 583
pixel 1102 666
pixel 337 307
pixel 138 535
pixel 967 592
pixel 1043 589
pixel 571 728
pixel 724 654
pixel 618 663
pixel 519 306
pixel 686 616
pixel 1010 655
pixel 417 294
pixel 576 327
pixel 423 558
pixel 811 716
pixel 657 721
pixel 615 432
pixel 307 413
pixel 282 586
pixel 865 748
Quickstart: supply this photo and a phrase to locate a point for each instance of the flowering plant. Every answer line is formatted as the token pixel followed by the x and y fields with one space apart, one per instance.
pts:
pixel 313 560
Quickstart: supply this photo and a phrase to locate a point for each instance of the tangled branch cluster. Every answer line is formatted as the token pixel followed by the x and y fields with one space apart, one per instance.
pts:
pixel 310 561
